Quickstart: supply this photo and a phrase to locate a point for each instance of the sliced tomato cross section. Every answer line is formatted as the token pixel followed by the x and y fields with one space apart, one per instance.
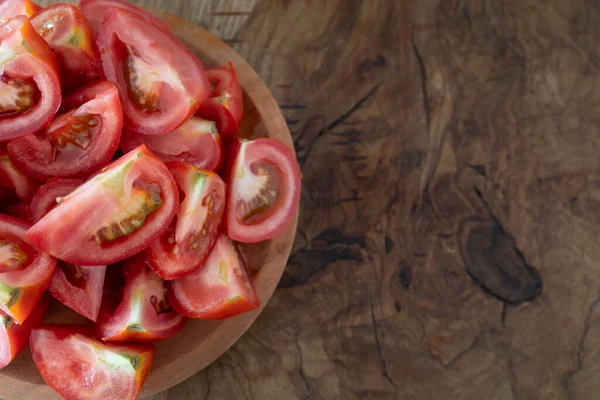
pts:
pixel 185 246
pixel 29 80
pixel 79 141
pixel 79 367
pixel 197 142
pixel 221 289
pixel 50 195
pixel 69 34
pixel 12 8
pixel 112 216
pixel 14 180
pixel 95 10
pixel 135 306
pixel 161 82
pixel 25 271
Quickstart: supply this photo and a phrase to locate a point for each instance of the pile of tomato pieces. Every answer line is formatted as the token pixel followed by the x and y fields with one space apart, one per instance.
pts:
pixel 123 190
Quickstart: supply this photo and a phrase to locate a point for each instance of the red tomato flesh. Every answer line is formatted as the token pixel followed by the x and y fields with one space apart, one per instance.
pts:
pixel 221 289
pixel 13 179
pixel 79 367
pixel 112 216
pixel 95 10
pixel 12 8
pixel 50 194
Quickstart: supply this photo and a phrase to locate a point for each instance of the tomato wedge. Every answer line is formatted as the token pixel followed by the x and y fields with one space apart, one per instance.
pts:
pixel 225 105
pixel 196 142
pixel 78 287
pixel 79 141
pixel 137 311
pixel 14 337
pixel 161 82
pixel 29 82
pixel 79 367
pixel 50 194
pixel 263 190
pixel 185 246
pixel 12 8
pixel 25 272
pixel 69 34
pixel 221 289
pixel 113 215
pixel 13 179
pixel 95 10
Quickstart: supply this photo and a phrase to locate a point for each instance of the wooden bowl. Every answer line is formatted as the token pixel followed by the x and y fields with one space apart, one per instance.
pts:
pixel 201 342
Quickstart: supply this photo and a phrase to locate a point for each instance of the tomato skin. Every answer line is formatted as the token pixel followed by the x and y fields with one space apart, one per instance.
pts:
pixel 45 198
pixel 70 231
pixel 12 8
pixel 77 366
pixel 13 179
pixel 33 60
pixel 22 288
pixel 40 156
pixel 196 142
pixel 14 337
pixel 172 255
pixel 225 105
pixel 167 72
pixel 72 41
pixel 245 157
pixel 95 10
pixel 221 289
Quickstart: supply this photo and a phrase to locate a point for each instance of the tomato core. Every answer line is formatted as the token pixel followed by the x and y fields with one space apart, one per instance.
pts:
pixel 265 187
pixel 141 81
pixel 12 256
pixel 16 95
pixel 74 274
pixel 77 131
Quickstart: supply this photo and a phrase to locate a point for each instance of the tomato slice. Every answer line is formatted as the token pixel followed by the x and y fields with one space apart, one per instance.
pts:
pixel 79 367
pixel 14 337
pixel 196 142
pixel 113 215
pixel 162 83
pixel 50 194
pixel 225 105
pixel 29 80
pixel 12 8
pixel 95 10
pixel 78 142
pixel 263 190
pixel 221 289
pixel 185 246
pixel 137 311
pixel 78 287
pixel 69 34
pixel 25 272
pixel 20 210
pixel 13 179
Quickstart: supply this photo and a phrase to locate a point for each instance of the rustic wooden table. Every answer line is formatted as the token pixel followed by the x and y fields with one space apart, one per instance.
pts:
pixel 448 240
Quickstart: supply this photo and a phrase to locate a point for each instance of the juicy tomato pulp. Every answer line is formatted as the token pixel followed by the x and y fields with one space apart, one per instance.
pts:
pixel 78 287
pixel 162 84
pixel 50 195
pixel 196 142
pixel 263 190
pixel 79 367
pixel 15 337
pixel 12 8
pixel 95 10
pixel 12 178
pixel 69 34
pixel 225 105
pixel 24 271
pixel 221 289
pixel 29 80
pixel 78 142
pixel 185 246
pixel 113 215
pixel 139 309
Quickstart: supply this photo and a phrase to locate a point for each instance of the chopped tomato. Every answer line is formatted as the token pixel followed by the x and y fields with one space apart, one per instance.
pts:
pixel 78 287
pixel 79 367
pixel 161 82
pixel 14 337
pixel 95 10
pixel 185 246
pixel 25 271
pixel 29 80
pixel 12 8
pixel 20 210
pixel 13 179
pixel 50 195
pixel 112 216
pixel 221 289
pixel 79 141
pixel 263 190
pixel 196 142
pixel 225 105
pixel 69 34
pixel 135 306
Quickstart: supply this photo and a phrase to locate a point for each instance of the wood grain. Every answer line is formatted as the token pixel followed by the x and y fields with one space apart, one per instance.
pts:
pixel 447 246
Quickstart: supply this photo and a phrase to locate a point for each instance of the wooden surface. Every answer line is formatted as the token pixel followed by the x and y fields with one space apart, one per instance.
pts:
pixel 448 238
